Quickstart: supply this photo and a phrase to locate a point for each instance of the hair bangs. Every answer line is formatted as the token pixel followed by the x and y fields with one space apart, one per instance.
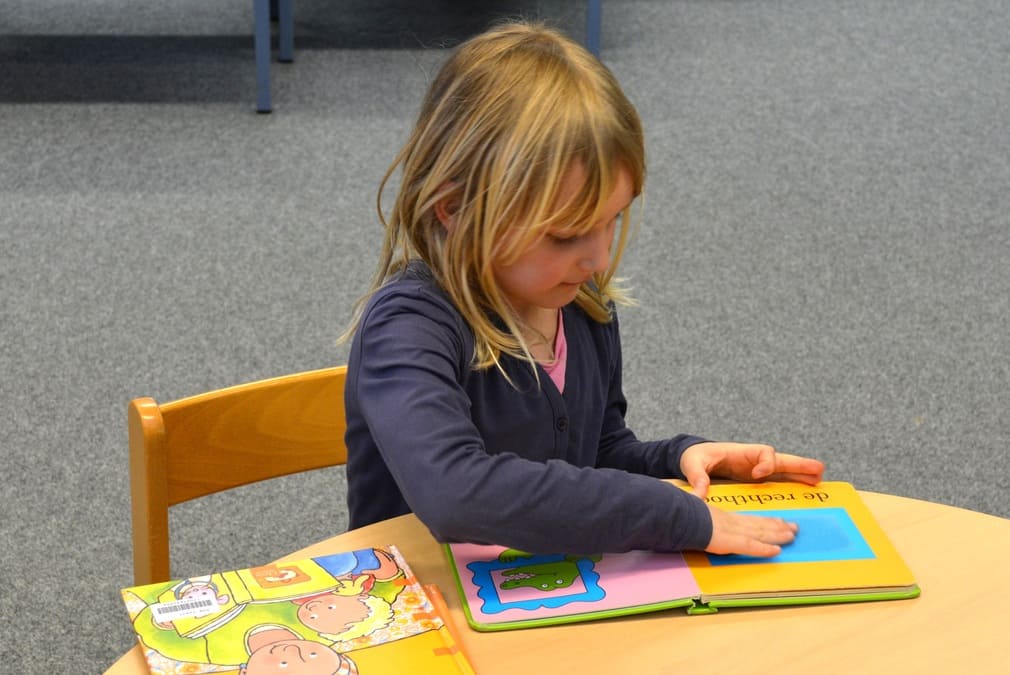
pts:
pixel 574 134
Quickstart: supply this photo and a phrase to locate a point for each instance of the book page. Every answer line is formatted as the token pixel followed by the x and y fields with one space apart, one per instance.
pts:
pixel 501 585
pixel 839 546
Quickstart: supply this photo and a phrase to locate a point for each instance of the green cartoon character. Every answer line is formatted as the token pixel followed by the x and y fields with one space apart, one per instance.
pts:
pixel 547 573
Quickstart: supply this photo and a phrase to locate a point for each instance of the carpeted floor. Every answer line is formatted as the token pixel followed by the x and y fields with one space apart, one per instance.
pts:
pixel 822 263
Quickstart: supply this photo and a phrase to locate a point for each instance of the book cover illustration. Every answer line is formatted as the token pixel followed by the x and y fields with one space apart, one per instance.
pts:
pixel 839 555
pixel 349 613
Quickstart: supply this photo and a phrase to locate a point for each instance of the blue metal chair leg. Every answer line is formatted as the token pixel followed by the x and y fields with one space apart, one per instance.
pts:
pixel 261 40
pixel 286 31
pixel 594 13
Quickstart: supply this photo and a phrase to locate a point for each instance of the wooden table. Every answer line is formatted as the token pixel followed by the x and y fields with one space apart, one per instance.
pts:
pixel 960 558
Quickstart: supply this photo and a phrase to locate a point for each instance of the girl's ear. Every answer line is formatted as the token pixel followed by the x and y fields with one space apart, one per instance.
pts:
pixel 447 206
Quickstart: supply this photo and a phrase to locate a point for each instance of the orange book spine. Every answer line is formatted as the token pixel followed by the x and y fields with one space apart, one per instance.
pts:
pixel 442 609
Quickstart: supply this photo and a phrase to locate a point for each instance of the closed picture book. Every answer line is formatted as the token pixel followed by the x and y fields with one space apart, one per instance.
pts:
pixel 349 613
pixel 839 555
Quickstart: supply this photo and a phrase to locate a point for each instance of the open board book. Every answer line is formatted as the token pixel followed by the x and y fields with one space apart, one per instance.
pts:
pixel 839 555
pixel 351 613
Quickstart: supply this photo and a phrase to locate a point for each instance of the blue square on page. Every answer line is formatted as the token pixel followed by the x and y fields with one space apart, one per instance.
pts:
pixel 824 535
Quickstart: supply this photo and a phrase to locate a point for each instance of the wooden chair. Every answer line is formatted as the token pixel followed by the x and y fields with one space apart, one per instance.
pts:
pixel 222 439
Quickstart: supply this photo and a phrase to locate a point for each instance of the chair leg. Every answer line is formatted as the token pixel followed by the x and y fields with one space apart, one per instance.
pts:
pixel 286 31
pixel 594 13
pixel 261 39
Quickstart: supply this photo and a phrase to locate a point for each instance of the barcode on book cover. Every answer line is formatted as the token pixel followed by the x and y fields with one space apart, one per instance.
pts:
pixel 168 611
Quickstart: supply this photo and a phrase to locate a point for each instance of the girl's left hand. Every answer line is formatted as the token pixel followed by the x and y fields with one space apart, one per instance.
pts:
pixel 745 462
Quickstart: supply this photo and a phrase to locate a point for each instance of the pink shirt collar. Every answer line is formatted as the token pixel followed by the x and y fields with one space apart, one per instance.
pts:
pixel 556 369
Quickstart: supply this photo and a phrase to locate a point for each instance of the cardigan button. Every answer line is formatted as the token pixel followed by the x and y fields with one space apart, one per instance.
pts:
pixel 562 424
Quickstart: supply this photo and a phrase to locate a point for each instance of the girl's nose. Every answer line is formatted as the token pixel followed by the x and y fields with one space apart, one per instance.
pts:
pixel 596 256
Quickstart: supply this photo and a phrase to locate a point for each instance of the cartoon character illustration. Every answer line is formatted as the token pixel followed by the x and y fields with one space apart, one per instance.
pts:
pixel 340 614
pixel 558 572
pixel 345 613
pixel 278 650
pixel 321 611
pixel 515 580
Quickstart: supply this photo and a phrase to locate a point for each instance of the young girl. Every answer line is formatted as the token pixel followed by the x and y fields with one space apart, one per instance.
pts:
pixel 484 381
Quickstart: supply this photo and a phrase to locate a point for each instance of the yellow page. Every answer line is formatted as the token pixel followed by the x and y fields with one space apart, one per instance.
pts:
pixel 840 545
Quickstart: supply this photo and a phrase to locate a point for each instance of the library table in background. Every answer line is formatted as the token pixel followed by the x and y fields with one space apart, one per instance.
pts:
pixel 959 623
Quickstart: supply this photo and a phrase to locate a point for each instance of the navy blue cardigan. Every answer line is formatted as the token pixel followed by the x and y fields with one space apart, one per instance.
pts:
pixel 478 459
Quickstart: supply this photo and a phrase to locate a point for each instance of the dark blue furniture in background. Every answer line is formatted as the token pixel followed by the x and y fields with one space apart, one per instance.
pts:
pixel 266 10
pixel 263 12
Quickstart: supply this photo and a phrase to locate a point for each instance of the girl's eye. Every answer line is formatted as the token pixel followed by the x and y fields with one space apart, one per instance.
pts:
pixel 562 241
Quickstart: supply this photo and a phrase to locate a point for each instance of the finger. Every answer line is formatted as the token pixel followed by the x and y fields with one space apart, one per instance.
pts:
pixel 794 464
pixel 765 537
pixel 700 482
pixel 779 531
pixel 759 549
pixel 775 531
pixel 693 466
pixel 765 464
pixel 758 536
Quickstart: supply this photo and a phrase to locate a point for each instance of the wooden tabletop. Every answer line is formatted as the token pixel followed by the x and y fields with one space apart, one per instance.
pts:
pixel 959 623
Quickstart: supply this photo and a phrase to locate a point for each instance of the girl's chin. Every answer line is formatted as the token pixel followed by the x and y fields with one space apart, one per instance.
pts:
pixel 568 292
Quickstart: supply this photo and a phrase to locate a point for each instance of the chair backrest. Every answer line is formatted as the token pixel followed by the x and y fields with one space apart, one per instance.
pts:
pixel 222 439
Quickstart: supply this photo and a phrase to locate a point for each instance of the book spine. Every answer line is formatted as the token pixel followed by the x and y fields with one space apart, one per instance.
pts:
pixel 442 609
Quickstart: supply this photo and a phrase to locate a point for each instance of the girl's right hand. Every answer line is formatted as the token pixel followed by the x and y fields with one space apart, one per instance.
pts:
pixel 748 535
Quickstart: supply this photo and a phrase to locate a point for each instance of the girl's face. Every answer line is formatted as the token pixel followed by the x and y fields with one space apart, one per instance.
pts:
pixel 548 274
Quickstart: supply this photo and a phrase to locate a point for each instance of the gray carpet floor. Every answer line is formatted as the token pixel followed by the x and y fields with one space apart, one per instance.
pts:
pixel 823 262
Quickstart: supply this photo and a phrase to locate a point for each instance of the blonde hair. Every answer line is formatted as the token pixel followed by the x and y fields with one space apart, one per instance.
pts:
pixel 506 118
pixel 380 615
